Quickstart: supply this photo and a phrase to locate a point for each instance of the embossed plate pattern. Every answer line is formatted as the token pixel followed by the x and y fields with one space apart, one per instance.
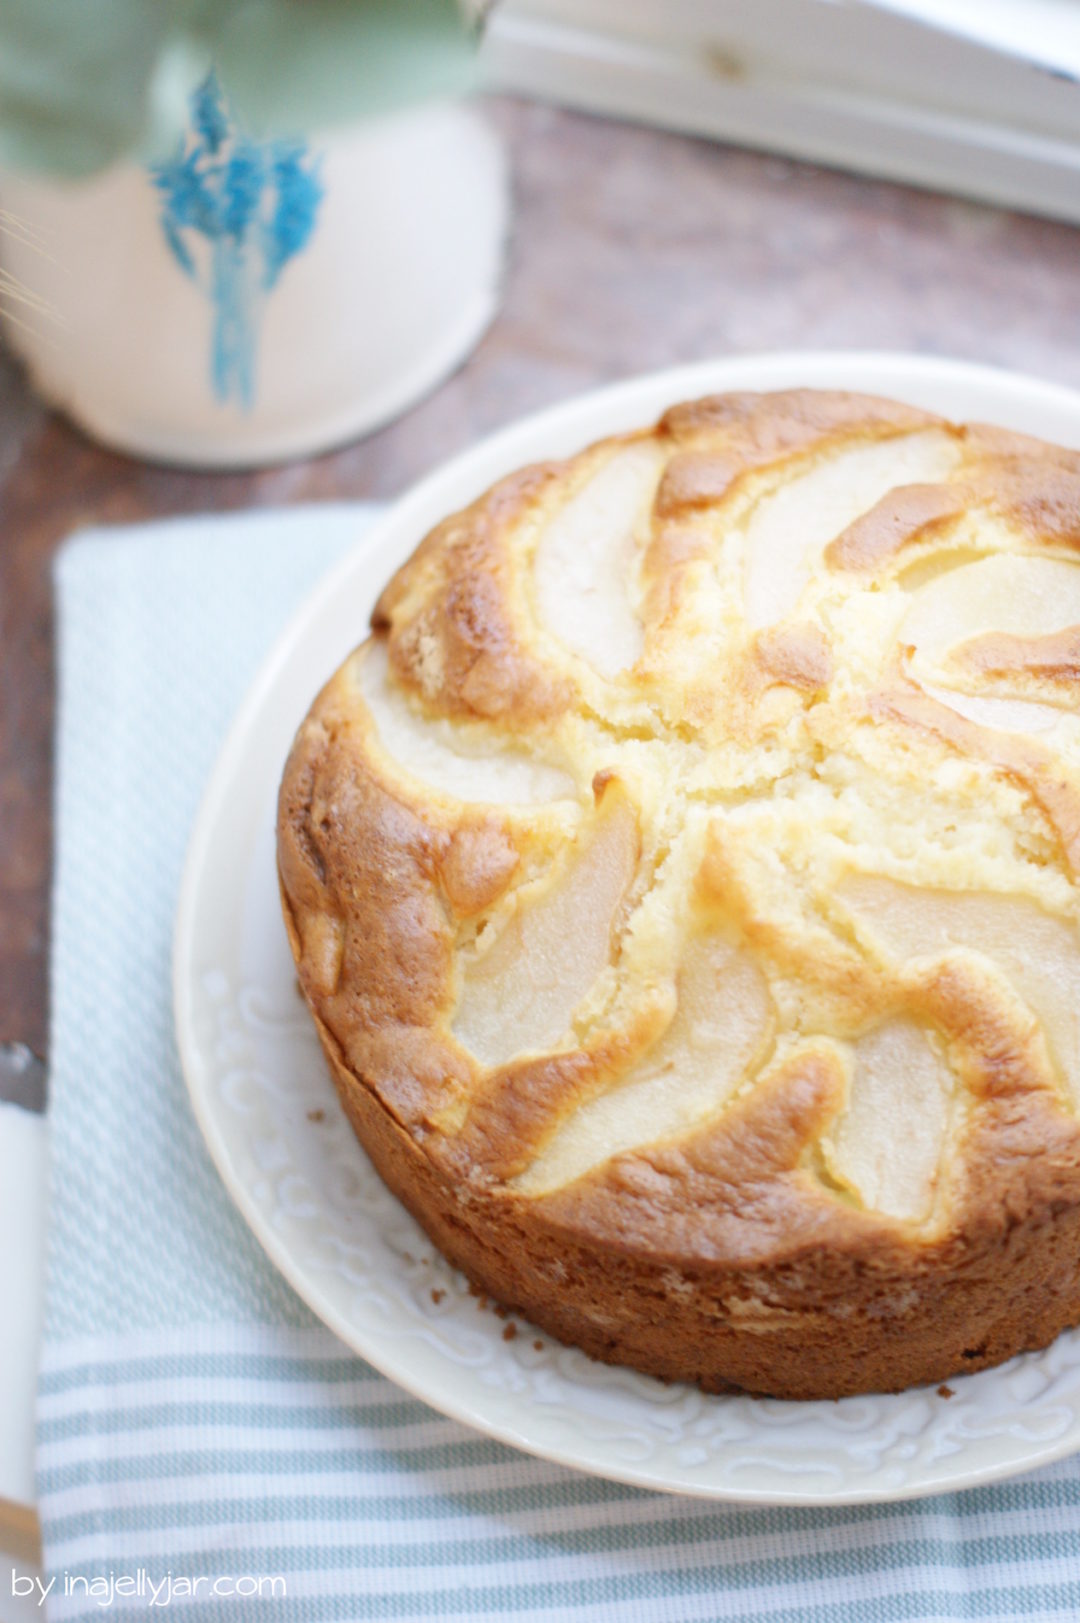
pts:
pixel 267 1108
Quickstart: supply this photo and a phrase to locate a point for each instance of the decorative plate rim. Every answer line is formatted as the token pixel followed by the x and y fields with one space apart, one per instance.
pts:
pixel 940 383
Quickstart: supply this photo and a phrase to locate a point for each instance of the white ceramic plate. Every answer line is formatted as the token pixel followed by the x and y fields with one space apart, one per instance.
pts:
pixel 258 1082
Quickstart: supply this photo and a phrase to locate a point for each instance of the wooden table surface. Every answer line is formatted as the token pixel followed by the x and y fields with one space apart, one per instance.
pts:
pixel 631 250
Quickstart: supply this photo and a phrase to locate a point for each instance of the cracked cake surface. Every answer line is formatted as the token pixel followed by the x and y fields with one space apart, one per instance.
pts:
pixel 681 878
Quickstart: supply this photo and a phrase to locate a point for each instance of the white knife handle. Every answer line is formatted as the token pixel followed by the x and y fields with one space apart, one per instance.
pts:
pixel 23 1165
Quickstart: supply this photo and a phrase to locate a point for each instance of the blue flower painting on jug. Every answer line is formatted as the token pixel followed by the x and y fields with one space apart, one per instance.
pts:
pixel 234 212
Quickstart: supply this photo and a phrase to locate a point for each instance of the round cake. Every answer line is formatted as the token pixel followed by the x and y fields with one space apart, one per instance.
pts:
pixel 682 880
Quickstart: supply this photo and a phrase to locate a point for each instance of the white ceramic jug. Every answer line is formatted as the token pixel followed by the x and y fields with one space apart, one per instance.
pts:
pixel 249 301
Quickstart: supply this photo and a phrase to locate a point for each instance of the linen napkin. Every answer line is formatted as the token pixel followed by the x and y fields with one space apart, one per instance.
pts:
pixel 196 1428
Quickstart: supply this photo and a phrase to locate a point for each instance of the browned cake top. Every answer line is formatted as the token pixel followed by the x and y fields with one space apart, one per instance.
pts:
pixel 690 851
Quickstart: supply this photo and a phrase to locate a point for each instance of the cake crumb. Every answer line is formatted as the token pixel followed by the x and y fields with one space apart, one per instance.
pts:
pixel 510 1331
pixel 538 1346
pixel 437 1296
pixel 500 1311
pixel 945 1392
pixel 316 1115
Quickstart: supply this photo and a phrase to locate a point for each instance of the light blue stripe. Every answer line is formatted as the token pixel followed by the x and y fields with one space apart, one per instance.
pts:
pixel 468 1450
pixel 821 1566
pixel 1025 1493
pixel 210 1412
pixel 575 1490
pixel 918 1547
pixel 207 1366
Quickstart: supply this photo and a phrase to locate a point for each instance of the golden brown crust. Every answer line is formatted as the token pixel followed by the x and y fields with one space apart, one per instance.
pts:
pixel 1038 495
pixel 902 516
pixel 1054 658
pixel 797 655
pixel 767 427
pixel 449 613
pixel 505 985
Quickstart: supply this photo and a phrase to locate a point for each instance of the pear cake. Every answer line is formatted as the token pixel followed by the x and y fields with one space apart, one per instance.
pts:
pixel 682 880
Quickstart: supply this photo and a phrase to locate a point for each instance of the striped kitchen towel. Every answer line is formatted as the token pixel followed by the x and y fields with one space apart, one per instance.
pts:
pixel 202 1441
